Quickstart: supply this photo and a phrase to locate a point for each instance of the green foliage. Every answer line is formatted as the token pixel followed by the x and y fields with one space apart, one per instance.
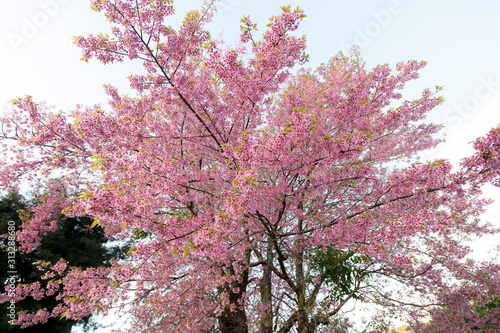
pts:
pixel 486 309
pixel 339 270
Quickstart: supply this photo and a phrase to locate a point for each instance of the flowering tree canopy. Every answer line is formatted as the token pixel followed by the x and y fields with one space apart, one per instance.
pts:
pixel 257 197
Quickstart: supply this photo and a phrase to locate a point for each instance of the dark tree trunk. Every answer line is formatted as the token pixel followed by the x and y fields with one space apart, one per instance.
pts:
pixel 234 321
pixel 266 324
pixel 302 320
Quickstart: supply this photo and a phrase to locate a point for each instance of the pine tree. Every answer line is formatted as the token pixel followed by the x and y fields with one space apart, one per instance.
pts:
pixel 74 241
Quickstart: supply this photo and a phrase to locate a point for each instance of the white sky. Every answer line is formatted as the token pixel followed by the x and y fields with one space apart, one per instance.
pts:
pixel 460 39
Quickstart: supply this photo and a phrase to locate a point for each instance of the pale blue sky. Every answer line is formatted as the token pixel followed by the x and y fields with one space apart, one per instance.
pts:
pixel 460 39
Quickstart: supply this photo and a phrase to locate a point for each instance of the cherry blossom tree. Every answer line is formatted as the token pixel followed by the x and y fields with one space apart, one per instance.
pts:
pixel 259 196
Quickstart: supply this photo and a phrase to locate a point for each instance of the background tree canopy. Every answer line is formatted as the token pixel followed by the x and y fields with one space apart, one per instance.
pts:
pixel 74 240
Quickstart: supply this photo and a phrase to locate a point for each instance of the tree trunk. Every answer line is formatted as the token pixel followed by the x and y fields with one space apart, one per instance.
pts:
pixel 302 322
pixel 266 324
pixel 234 319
